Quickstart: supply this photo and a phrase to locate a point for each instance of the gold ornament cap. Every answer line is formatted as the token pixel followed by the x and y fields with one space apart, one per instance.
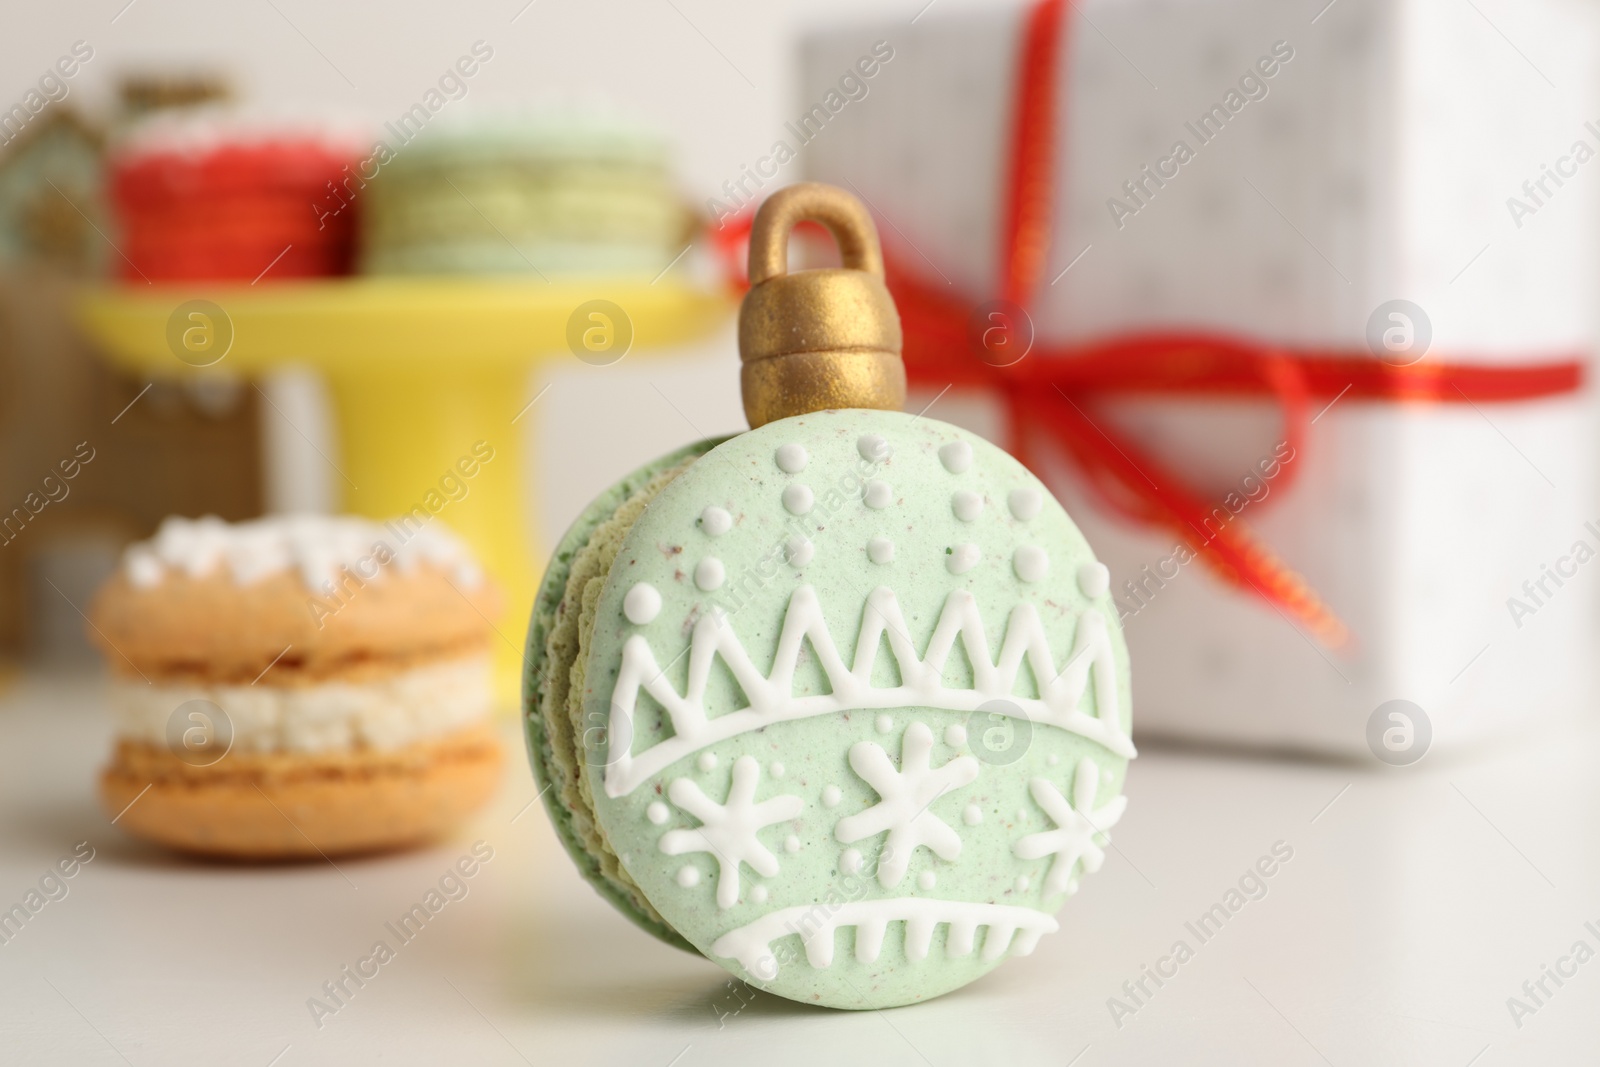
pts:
pixel 817 339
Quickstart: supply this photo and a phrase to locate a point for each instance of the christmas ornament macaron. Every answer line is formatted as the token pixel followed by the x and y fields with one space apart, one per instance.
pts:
pixel 840 703
pixel 297 687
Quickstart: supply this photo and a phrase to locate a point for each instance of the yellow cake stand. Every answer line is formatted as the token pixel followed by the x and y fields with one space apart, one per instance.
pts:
pixel 420 372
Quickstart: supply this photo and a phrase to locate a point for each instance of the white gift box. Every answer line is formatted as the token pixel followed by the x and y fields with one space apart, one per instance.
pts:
pixel 1424 150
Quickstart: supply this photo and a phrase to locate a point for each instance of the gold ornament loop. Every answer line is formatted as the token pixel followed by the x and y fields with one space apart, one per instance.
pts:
pixel 822 339
pixel 844 216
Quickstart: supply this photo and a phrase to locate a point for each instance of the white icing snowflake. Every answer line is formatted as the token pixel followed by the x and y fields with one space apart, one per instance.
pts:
pixel 1077 827
pixel 728 831
pixel 906 795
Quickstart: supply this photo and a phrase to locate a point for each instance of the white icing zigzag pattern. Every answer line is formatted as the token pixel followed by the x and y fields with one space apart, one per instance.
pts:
pixel 816 924
pixel 771 698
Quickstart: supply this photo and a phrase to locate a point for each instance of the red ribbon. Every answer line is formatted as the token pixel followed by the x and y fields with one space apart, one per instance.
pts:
pixel 1052 393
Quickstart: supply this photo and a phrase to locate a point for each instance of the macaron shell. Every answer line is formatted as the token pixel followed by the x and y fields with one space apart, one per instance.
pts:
pixel 551 767
pixel 773 841
pixel 215 628
pixel 272 806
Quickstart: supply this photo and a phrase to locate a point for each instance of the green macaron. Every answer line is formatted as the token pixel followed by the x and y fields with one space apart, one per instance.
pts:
pixel 840 703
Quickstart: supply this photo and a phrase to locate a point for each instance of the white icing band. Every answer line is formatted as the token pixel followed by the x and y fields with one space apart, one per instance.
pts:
pixel 642 603
pixel 797 499
pixel 716 521
pixel 792 458
pixel 413 705
pixel 956 456
pixel 962 558
pixel 880 550
pixel 771 698
pixel 318 547
pixel 1008 927
pixel 967 505
pixel 878 495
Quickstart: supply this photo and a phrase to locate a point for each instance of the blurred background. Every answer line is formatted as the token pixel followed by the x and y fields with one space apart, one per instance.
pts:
pixel 713 88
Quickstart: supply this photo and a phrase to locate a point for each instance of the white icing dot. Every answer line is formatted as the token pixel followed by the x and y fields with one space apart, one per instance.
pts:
pixel 955 735
pixel 791 844
pixel 797 499
pixel 656 812
pixel 873 448
pixel 1023 883
pixel 967 505
pixel 1024 503
pixel 1094 579
pixel 1052 759
pixel 144 570
pixel 758 894
pixel 776 770
pixel 707 761
pixel 709 573
pixel 688 877
pixel 641 604
pixel 972 815
pixel 1022 814
pixel 926 880
pixel 831 797
pixel 962 558
pixel 1031 563
pixel 956 456
pixel 878 495
pixel 716 521
pixel 850 862
pixel 880 550
pixel 884 724
pixel 792 458
pixel 800 550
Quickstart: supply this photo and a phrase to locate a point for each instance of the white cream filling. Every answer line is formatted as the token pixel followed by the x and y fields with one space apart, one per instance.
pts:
pixel 387 713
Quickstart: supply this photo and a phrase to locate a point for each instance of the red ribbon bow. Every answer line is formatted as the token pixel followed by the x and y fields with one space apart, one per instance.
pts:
pixel 1052 393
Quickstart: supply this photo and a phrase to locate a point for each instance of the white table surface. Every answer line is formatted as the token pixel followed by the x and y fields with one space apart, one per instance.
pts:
pixel 1416 902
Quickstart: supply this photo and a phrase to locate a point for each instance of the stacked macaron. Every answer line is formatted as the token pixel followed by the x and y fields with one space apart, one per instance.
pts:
pixel 548 195
pixel 209 197
pixel 294 686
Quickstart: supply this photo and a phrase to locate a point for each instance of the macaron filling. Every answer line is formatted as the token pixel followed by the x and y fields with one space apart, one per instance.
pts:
pixel 387 713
